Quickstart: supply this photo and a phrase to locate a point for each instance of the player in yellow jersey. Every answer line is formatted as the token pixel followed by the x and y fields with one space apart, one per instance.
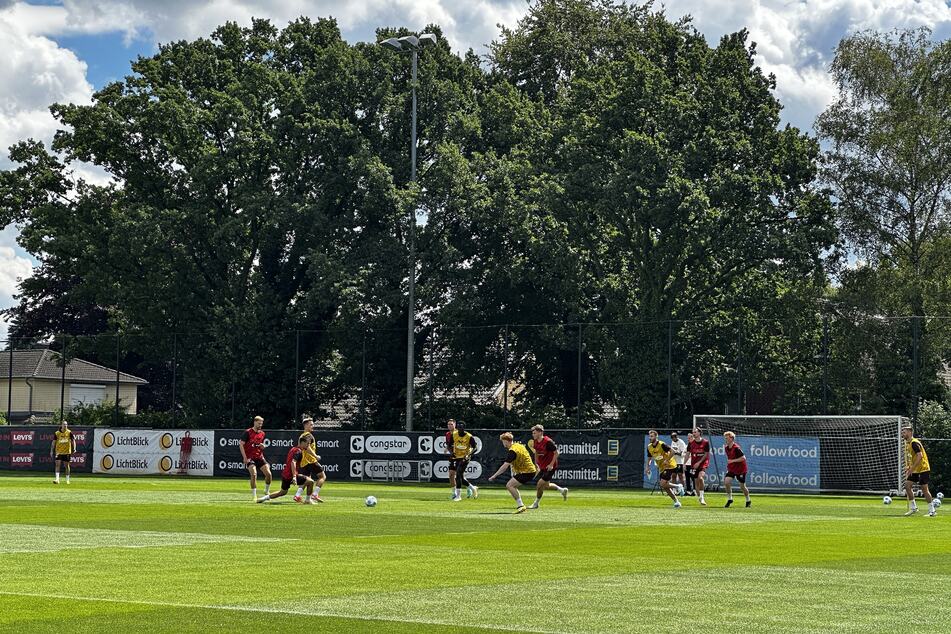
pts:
pixel 462 446
pixel 523 468
pixel 917 471
pixel 310 463
pixel 662 454
pixel 61 449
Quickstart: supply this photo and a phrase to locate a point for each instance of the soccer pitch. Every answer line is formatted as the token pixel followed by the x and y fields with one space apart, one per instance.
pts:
pixel 190 555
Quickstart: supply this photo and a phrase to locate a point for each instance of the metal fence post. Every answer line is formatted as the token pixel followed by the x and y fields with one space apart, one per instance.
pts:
pixel 174 371
pixel 296 371
pixel 10 381
pixel 62 380
pixel 670 366
pixel 363 384
pixel 578 400
pixel 505 373
pixel 915 363
pixel 118 355
pixel 825 365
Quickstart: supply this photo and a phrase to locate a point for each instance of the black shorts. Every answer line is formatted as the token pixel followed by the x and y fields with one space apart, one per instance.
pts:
pixel 920 478
pixel 695 473
pixel 287 482
pixel 313 470
pixel 667 474
pixel 62 457
pixel 257 462
pixel 547 474
pixel 452 463
pixel 679 469
pixel 739 476
pixel 524 478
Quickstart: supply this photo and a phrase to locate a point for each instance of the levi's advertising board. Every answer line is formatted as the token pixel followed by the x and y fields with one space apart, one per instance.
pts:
pixel 595 457
pixel 147 452
pixel 776 463
pixel 28 448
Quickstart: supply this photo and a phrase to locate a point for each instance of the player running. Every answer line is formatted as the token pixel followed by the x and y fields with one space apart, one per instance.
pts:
pixel 523 469
pixel 917 471
pixel 699 451
pixel 736 468
pixel 310 463
pixel 450 428
pixel 252 454
pixel 61 450
pixel 292 474
pixel 662 454
pixel 462 447
pixel 546 458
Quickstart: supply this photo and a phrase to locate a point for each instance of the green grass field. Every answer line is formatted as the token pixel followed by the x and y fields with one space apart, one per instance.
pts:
pixel 177 555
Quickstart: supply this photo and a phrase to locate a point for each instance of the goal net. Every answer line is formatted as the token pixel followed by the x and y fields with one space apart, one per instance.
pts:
pixel 811 453
pixel 395 470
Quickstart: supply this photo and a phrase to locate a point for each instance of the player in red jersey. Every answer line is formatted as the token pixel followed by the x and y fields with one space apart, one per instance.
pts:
pixel 736 468
pixel 292 474
pixel 546 457
pixel 699 450
pixel 451 427
pixel 252 453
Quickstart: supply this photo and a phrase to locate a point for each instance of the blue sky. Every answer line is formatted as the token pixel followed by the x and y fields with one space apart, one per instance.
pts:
pixel 63 50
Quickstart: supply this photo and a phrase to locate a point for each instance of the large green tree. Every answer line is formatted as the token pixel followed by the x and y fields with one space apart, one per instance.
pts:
pixel 662 187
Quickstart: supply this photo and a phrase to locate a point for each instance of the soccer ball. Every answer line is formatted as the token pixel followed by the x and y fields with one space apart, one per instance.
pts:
pixel 886 500
pixel 940 496
pixel 936 502
pixel 371 501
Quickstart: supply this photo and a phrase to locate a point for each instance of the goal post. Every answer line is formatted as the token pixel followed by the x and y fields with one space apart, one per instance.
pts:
pixel 811 454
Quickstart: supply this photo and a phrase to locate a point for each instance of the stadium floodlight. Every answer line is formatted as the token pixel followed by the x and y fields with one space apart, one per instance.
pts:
pixel 412 44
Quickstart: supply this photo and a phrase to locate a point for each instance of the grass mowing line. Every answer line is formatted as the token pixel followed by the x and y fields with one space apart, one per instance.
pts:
pixel 265 610
pixel 39 538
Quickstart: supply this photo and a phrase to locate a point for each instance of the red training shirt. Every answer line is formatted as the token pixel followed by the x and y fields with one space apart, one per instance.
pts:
pixel 294 455
pixel 732 453
pixel 253 443
pixel 545 453
pixel 697 450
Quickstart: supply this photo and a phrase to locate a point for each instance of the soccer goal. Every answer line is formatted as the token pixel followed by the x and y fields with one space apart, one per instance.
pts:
pixel 396 470
pixel 811 453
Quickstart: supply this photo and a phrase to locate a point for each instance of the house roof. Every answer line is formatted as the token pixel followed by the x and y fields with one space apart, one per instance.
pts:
pixel 46 364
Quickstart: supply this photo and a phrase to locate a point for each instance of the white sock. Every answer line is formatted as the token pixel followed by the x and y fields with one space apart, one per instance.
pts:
pixel 300 491
pixel 456 491
pixel 316 490
pixel 254 492
pixel 518 501
pixel 747 497
pixel 701 496
pixel 67 477
pixel 267 489
pixel 536 502
pixel 57 476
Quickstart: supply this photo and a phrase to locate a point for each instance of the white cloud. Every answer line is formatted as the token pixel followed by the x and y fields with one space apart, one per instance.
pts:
pixel 796 40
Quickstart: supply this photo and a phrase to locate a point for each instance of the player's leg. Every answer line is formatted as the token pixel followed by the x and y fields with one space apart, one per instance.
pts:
pixel 266 470
pixel 452 476
pixel 319 477
pixel 56 465
pixel 700 484
pixel 66 466
pixel 746 492
pixel 461 480
pixel 285 487
pixel 728 487
pixel 512 486
pixel 668 488
pixel 253 475
pixel 910 495
pixel 923 480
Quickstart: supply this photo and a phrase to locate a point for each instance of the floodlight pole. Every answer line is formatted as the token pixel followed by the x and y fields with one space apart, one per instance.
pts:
pixel 412 44
pixel 411 290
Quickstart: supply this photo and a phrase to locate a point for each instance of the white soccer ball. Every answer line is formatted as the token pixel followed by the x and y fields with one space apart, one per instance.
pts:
pixel 886 500
pixel 936 502
pixel 371 501
pixel 940 495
